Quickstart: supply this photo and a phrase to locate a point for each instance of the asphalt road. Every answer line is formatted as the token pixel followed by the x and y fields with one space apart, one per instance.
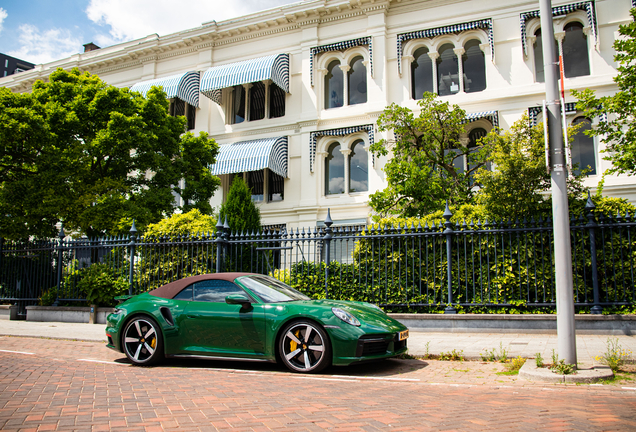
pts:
pixel 61 385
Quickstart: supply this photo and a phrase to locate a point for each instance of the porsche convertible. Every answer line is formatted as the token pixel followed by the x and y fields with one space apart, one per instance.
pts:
pixel 243 316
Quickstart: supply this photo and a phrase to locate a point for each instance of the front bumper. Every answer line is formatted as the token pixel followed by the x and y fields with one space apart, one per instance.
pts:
pixel 373 347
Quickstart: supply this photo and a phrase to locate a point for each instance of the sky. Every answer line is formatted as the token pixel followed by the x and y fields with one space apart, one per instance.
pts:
pixel 40 31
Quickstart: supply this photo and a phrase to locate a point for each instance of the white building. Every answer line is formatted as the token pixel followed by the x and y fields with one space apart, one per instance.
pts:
pixel 294 92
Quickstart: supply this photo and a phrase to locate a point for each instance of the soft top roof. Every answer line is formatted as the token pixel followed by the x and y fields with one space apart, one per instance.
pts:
pixel 170 290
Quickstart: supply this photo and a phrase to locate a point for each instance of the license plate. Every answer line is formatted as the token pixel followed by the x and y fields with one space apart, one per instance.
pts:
pixel 403 335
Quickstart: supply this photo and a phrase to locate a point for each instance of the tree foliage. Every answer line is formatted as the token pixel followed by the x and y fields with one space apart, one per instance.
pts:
pixel 241 212
pixel 519 184
pixel 179 224
pixel 421 173
pixel 95 156
pixel 617 132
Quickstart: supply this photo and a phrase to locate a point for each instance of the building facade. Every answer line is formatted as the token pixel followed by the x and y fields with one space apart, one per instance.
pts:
pixel 292 94
pixel 11 65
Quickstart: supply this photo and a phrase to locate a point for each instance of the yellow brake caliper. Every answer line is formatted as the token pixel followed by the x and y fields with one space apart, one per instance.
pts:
pixel 292 344
pixel 154 342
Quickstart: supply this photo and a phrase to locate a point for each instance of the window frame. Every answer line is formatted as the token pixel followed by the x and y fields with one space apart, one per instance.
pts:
pixel 230 101
pixel 345 58
pixel 559 23
pixel 346 143
pixel 433 45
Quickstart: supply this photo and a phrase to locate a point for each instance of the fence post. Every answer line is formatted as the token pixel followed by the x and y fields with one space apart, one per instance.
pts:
pixel 131 272
pixel 597 309
pixel 219 245
pixel 60 257
pixel 449 271
pixel 327 242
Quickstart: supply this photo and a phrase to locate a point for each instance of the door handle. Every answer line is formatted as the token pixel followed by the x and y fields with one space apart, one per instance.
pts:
pixel 193 316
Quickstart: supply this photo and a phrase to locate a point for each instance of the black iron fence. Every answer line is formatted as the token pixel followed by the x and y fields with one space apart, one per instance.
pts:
pixel 467 264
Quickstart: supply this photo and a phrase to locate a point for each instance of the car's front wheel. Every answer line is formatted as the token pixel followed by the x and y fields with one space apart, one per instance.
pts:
pixel 142 341
pixel 304 347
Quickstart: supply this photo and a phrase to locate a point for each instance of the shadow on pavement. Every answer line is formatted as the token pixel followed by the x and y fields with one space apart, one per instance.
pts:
pixel 380 368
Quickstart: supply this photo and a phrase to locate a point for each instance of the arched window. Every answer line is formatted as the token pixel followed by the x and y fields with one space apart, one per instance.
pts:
pixel 334 171
pixel 447 71
pixel 474 63
pixel 421 74
pixel 257 101
pixel 475 135
pixel 357 77
pixel 576 61
pixel 334 88
pixel 358 168
pixel 582 148
pixel 538 57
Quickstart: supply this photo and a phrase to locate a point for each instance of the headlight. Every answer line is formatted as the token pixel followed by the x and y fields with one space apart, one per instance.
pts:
pixel 346 316
pixel 118 311
pixel 376 307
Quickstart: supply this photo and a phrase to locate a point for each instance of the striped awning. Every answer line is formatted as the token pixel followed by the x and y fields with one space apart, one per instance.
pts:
pixel 491 116
pixel 253 155
pixel 587 6
pixel 337 132
pixel 274 67
pixel 485 24
pixel 184 86
pixel 340 46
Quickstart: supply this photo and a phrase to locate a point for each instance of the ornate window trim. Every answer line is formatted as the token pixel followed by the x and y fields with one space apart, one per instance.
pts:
pixel 340 46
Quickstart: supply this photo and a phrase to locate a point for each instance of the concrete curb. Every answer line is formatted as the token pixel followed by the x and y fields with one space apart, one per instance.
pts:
pixel 586 375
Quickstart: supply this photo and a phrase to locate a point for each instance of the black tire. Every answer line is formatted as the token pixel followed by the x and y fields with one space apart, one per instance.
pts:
pixel 304 347
pixel 142 341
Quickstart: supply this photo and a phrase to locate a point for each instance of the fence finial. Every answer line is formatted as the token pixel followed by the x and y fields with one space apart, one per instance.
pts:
pixel 133 229
pixel 328 221
pixel 61 233
pixel 589 205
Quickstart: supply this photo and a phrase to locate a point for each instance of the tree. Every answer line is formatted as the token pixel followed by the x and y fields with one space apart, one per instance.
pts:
pixel 422 172
pixel 94 156
pixel 242 214
pixel 518 185
pixel 181 224
pixel 619 133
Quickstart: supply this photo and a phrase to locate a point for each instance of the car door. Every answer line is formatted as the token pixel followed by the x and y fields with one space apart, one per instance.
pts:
pixel 213 327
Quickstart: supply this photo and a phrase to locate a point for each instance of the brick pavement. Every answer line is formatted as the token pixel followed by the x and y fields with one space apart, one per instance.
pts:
pixel 83 386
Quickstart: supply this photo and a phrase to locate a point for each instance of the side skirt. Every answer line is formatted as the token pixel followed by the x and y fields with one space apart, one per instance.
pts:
pixel 203 357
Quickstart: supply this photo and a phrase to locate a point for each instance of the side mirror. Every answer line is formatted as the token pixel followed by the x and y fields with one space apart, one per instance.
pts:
pixel 239 299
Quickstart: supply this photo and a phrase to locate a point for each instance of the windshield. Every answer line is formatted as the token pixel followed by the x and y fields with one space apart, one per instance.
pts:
pixel 271 290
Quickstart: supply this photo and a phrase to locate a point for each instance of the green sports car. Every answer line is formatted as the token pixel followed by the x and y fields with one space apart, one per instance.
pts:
pixel 244 316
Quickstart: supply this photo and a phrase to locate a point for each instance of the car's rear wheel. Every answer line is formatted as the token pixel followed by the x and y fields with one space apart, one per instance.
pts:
pixel 142 341
pixel 304 347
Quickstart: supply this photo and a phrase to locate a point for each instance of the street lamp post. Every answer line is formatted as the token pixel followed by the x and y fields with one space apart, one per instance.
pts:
pixel 566 339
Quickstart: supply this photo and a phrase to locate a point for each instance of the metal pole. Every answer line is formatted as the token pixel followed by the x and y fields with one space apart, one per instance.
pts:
pixel 327 241
pixel 597 309
pixel 566 338
pixel 131 270
pixel 219 244
pixel 449 264
pixel 60 257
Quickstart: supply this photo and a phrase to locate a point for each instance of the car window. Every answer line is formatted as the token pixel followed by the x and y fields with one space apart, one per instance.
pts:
pixel 184 294
pixel 214 290
pixel 271 290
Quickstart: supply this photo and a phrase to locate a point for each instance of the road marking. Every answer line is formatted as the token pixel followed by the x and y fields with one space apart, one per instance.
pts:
pixel 103 361
pixel 17 352
pixel 323 379
pixel 628 388
pixel 376 378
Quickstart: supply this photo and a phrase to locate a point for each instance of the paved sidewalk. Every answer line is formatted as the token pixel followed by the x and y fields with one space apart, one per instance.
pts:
pixel 420 342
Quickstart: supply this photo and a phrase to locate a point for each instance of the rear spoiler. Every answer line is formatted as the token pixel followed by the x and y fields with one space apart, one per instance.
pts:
pixel 123 298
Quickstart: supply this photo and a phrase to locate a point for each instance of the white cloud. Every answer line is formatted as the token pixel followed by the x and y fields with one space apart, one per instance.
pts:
pixel 133 19
pixel 3 16
pixel 45 46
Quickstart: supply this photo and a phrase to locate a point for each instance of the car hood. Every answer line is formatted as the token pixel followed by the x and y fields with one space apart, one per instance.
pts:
pixel 367 314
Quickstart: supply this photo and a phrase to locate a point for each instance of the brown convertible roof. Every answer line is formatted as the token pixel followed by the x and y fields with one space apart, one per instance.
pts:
pixel 170 290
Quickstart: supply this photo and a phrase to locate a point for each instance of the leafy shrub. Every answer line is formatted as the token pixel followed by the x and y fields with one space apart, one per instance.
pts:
pixel 101 285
